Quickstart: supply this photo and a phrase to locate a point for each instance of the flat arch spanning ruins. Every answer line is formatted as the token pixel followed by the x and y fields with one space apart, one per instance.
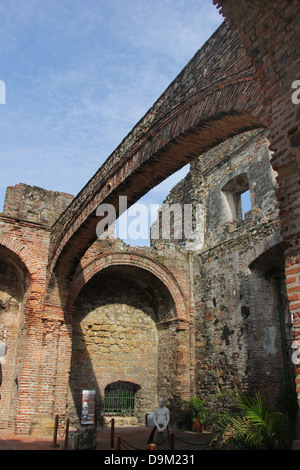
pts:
pixel 229 114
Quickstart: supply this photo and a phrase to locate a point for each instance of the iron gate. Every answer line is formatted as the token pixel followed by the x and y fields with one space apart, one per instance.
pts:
pixel 119 399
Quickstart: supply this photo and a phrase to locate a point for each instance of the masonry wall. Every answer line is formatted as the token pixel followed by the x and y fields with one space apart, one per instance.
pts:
pixel 114 339
pixel 126 329
pixel 35 204
pixel 270 32
pixel 239 338
pixel 239 283
pixel 24 242
pixel 233 307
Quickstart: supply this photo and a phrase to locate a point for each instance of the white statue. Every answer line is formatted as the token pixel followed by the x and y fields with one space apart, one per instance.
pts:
pixel 161 418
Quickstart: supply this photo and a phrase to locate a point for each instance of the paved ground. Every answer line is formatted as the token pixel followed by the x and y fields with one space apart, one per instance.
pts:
pixel 132 438
pixel 137 438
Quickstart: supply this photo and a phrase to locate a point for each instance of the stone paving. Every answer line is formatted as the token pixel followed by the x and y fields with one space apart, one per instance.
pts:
pixel 132 438
pixel 136 438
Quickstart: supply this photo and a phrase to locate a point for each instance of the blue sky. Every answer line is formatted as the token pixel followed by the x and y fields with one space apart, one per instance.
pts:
pixel 79 74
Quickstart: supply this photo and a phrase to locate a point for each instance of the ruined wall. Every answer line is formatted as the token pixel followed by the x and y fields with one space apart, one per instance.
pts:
pixel 238 331
pixel 222 325
pixel 24 242
pixel 13 287
pixel 35 204
pixel 239 337
pixel 237 262
pixel 117 336
pixel 269 32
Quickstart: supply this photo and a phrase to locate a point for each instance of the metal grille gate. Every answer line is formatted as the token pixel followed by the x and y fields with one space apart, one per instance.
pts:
pixel 119 399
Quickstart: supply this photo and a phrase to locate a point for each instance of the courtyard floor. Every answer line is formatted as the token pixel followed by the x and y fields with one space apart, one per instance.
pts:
pixel 132 438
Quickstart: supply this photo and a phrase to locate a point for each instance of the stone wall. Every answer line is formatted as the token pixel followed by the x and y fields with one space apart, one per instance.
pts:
pixel 35 204
pixel 185 316
pixel 117 337
pixel 230 321
pixel 211 187
pixel 238 330
pixel 269 32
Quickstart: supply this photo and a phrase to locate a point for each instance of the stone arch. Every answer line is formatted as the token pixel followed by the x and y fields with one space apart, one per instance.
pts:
pixel 135 312
pixel 208 102
pixel 82 276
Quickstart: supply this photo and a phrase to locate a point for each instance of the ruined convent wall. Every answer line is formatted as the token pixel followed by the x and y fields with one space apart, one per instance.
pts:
pixel 231 321
pixel 238 290
pixel 35 204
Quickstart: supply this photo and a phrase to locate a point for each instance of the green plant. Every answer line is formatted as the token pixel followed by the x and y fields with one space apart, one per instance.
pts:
pixel 257 425
pixel 196 411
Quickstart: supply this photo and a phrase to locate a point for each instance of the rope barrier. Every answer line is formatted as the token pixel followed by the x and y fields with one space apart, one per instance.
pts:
pixel 105 425
pixel 191 443
pixel 127 445
pixel 170 439
pixel 120 441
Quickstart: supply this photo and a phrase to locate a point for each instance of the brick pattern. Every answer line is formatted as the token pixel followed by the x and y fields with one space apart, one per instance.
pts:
pixel 29 242
pixel 239 80
pixel 215 96
pixel 270 33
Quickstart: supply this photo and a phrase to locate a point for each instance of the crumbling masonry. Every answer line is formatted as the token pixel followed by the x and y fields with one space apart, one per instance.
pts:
pixel 185 316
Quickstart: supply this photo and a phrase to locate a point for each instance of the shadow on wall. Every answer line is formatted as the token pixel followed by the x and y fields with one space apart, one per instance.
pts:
pixel 273 324
pixel 14 281
pixel 116 339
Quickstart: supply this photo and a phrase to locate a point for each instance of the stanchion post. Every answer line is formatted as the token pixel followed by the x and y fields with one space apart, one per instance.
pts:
pixel 112 433
pixel 152 447
pixel 67 433
pixel 54 442
pixel 171 441
pixel 118 443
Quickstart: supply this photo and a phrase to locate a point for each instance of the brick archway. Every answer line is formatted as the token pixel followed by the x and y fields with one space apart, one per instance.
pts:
pixel 33 306
pixel 211 100
pixel 23 253
pixel 179 323
pixel 131 259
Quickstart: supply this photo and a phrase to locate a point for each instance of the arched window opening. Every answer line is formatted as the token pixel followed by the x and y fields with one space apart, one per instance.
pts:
pixel 120 398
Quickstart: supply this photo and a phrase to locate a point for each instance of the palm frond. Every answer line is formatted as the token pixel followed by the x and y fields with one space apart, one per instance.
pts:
pixel 256 425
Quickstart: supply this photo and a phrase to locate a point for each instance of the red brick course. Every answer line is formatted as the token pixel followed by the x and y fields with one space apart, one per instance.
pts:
pixel 240 79
pixel 270 34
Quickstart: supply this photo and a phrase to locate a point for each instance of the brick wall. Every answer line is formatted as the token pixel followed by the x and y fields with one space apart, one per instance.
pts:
pixel 269 32
pixel 239 80
pixel 214 97
pixel 24 240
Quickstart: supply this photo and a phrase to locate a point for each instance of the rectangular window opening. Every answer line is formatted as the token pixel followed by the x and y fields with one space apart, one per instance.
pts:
pixel 245 202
